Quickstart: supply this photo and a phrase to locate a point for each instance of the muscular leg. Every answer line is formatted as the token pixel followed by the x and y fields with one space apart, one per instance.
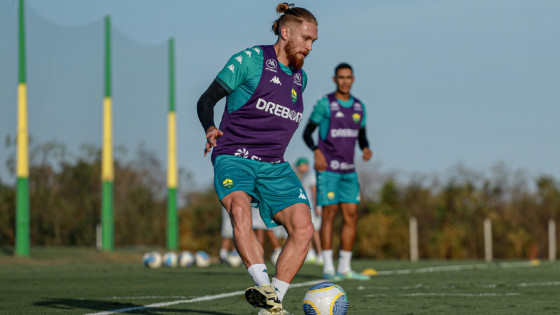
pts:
pixel 350 221
pixel 297 221
pixel 238 205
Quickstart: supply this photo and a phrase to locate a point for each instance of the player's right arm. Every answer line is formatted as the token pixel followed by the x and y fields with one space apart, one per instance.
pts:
pixel 320 112
pixel 232 75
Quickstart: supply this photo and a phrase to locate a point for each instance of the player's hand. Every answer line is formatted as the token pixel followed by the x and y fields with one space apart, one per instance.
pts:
pixel 367 154
pixel 320 161
pixel 212 134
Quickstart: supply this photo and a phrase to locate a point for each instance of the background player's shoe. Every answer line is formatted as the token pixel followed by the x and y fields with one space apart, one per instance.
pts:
pixel 267 312
pixel 264 296
pixel 331 276
pixel 352 275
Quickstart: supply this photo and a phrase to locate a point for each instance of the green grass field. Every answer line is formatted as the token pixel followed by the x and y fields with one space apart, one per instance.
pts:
pixel 83 281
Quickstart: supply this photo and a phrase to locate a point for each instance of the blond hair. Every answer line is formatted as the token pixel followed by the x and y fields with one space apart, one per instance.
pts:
pixel 291 14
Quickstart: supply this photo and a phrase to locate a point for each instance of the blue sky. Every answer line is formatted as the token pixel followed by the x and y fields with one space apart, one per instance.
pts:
pixel 444 82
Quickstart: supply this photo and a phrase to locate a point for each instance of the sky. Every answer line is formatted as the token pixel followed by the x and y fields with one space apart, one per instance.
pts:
pixel 444 82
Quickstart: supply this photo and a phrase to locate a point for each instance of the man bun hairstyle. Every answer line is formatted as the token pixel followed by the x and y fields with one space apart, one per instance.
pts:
pixel 290 13
pixel 342 65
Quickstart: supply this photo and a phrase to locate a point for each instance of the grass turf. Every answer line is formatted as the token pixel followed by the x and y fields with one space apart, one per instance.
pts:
pixel 81 281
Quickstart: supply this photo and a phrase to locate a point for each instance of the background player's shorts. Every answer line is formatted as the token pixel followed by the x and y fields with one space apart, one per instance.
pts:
pixel 273 186
pixel 258 223
pixel 227 229
pixel 333 188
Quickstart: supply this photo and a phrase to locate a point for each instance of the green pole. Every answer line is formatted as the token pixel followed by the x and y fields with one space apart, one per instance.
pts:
pixel 107 171
pixel 22 194
pixel 172 224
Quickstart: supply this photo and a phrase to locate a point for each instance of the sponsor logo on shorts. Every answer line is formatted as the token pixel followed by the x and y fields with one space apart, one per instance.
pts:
pixel 228 183
pixel 279 110
pixel 330 195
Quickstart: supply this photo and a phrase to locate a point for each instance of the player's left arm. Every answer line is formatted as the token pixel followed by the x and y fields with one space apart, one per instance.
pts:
pixel 362 138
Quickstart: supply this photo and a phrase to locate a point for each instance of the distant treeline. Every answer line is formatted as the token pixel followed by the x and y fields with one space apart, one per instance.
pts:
pixel 65 196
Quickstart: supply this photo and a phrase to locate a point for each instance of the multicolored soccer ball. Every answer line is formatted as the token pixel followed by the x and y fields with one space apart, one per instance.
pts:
pixel 186 259
pixel 152 260
pixel 202 259
pixel 325 298
pixel 170 260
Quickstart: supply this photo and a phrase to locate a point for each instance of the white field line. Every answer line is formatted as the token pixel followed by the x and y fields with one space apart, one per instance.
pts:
pixel 296 285
pixel 445 294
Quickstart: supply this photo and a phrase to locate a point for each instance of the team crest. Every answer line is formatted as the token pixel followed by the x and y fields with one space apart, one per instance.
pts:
pixel 294 95
pixel 356 117
pixel 330 195
pixel 228 183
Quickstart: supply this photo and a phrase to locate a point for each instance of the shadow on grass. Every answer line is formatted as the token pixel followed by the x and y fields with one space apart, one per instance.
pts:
pixel 123 308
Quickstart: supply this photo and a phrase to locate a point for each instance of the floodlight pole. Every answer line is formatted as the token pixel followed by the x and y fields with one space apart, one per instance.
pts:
pixel 107 168
pixel 22 195
pixel 172 224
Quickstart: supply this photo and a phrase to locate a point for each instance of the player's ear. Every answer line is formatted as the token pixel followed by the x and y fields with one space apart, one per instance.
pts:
pixel 334 79
pixel 285 32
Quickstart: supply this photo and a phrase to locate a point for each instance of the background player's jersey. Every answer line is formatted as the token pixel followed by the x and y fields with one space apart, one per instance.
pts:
pixel 343 128
pixel 321 114
pixel 241 75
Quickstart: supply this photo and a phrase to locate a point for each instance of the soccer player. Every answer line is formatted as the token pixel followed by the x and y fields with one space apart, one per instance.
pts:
pixel 309 183
pixel 341 118
pixel 264 107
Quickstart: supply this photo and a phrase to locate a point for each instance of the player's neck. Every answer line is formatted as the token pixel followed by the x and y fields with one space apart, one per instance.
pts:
pixel 342 96
pixel 281 55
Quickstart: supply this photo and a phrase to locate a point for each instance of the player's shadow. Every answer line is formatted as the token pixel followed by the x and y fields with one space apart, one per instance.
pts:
pixel 123 308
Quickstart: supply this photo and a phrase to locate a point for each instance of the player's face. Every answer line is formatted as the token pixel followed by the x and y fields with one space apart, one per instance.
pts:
pixel 300 43
pixel 303 168
pixel 344 80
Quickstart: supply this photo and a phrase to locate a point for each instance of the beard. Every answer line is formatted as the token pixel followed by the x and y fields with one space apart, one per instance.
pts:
pixel 295 60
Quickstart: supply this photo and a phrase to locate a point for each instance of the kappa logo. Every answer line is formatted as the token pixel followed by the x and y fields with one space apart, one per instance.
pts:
pixel 339 115
pixel 271 65
pixel 276 80
pixel 297 78
pixel 239 59
pixel 302 195
pixel 257 50
pixel 232 68
pixel 248 52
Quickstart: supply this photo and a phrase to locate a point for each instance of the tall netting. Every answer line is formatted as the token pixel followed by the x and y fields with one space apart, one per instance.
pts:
pixel 65 82
pixel 8 79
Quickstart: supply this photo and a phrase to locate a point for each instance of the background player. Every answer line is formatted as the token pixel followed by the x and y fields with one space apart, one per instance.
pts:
pixel 341 119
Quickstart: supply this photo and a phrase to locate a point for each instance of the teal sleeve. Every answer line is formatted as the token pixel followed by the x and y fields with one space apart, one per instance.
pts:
pixel 304 81
pixel 320 111
pixel 240 68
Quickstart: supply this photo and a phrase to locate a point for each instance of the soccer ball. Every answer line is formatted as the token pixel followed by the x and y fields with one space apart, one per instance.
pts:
pixel 202 259
pixel 152 260
pixel 186 259
pixel 170 260
pixel 325 298
pixel 234 259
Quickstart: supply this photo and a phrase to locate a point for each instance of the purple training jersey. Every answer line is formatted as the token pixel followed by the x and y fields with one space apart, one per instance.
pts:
pixel 262 128
pixel 344 127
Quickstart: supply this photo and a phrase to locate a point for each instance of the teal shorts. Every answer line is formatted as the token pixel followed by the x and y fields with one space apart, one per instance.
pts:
pixel 273 186
pixel 334 188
